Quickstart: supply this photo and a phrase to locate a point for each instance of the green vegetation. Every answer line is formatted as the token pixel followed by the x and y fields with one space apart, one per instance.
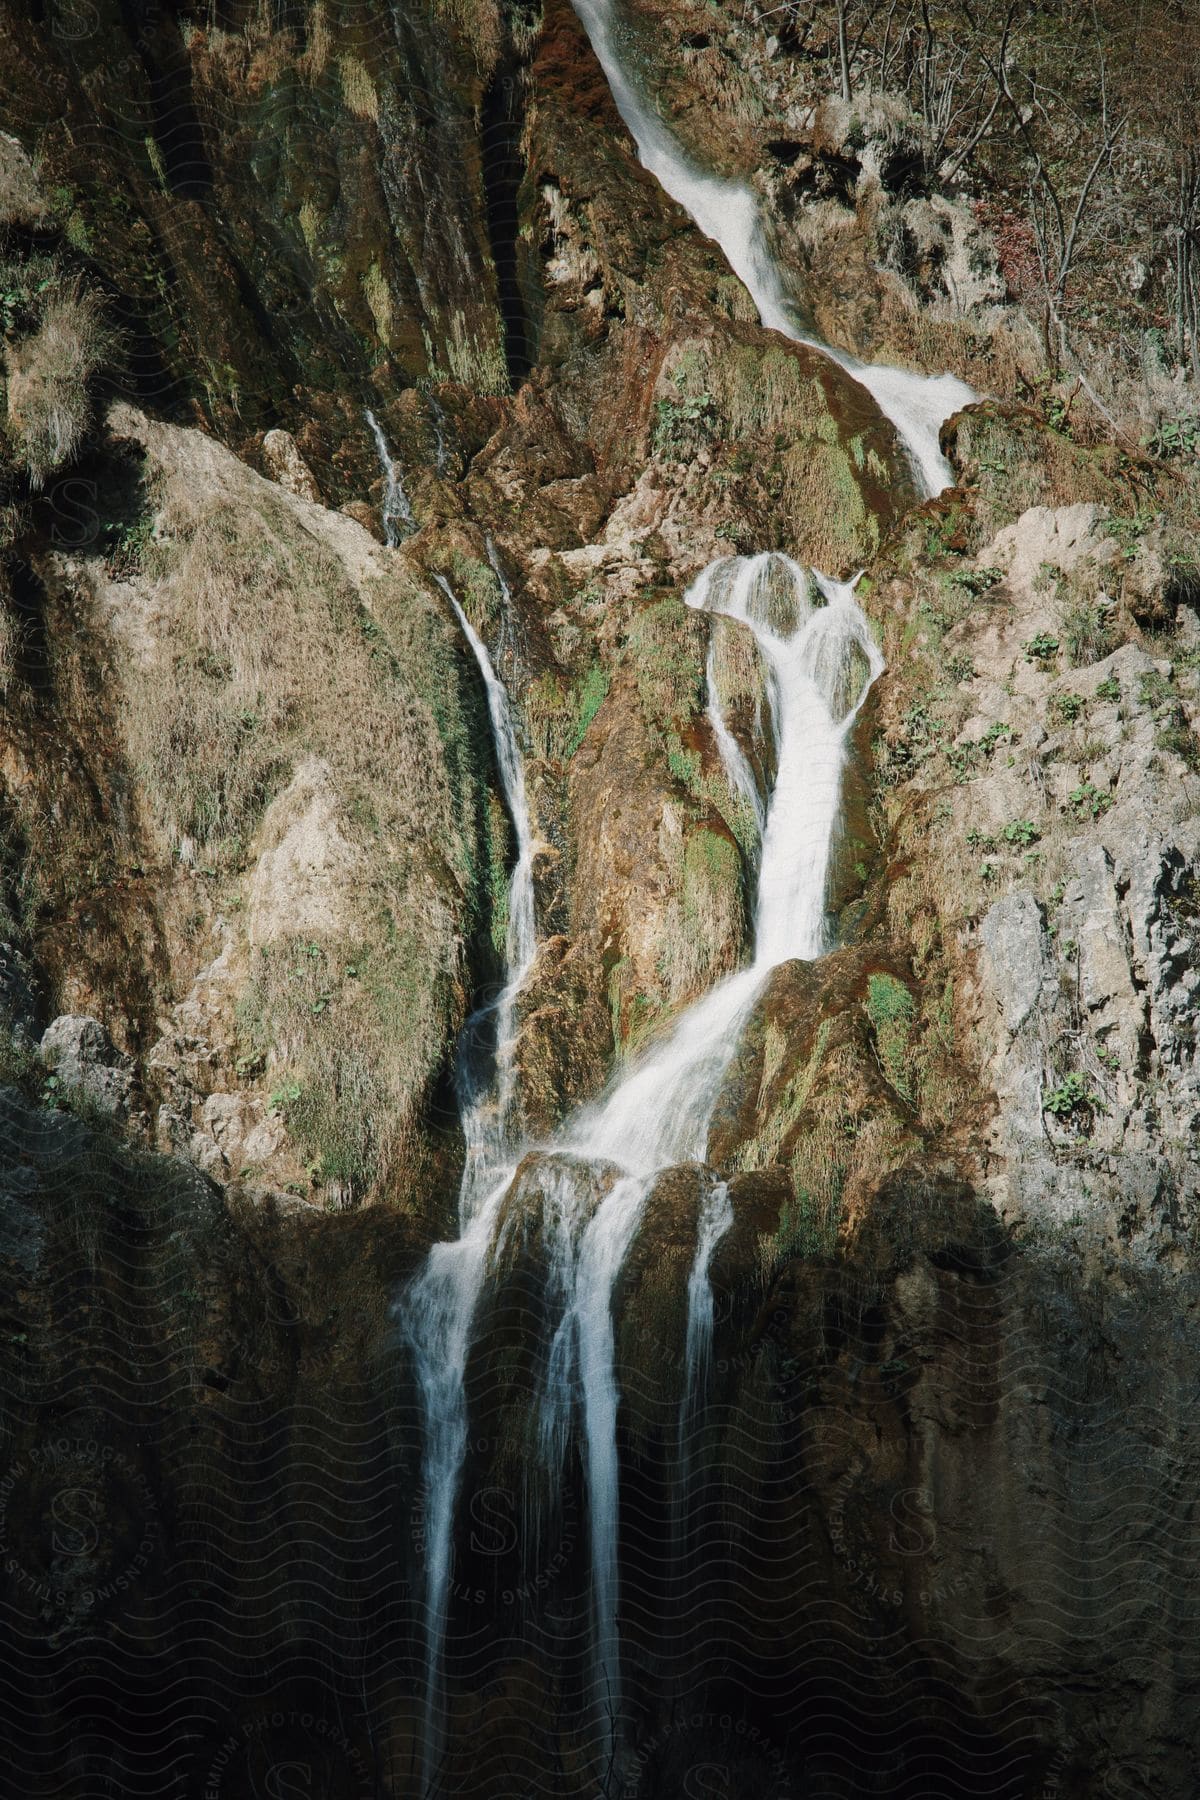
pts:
pixel 892 1012
pixel 704 927
pixel 1173 733
pixel 1072 1099
pixel 558 712
pixel 681 426
pixel 593 691
pixel 1175 437
pixel 1042 648
pixel 664 643
pixel 1068 707
pixel 805 1229
pixel 1088 631
pixel 976 581
pixel 1089 802
pixel 342 1030
pixel 1128 532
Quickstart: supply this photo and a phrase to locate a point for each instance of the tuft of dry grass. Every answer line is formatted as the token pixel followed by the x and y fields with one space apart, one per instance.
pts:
pixel 358 90
pixel 49 407
pixel 22 202
pixel 10 642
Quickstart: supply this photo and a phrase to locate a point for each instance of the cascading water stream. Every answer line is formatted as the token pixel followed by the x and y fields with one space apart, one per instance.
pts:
pixel 396 513
pixel 440 1303
pixel 716 1217
pixel 821 661
pixel 714 1220
pixel 521 932
pixel 728 212
pixel 507 642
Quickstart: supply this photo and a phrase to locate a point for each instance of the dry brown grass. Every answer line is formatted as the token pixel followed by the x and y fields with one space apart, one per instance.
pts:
pixel 9 650
pixel 21 200
pixel 49 407
pixel 257 651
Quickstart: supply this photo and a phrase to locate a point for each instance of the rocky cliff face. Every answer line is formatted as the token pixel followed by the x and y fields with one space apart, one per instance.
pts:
pixel 255 851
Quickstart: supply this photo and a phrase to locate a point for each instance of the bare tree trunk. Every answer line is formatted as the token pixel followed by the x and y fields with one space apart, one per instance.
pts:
pixel 843 52
pixel 1187 236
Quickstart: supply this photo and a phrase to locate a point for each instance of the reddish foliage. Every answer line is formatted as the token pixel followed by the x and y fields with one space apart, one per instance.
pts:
pixel 1016 251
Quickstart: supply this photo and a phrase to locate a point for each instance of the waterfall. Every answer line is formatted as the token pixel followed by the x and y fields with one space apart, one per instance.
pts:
pixel 716 1217
pixel 437 1308
pixel 507 640
pixel 822 659
pixel 396 513
pixel 596 1176
pixel 521 936
pixel 728 212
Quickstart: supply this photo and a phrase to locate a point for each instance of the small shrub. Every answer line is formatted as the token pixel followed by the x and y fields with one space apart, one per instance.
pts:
pixel 1068 707
pixel 1072 1099
pixel 1178 739
pixel 1175 437
pixel 1109 689
pixel 1155 691
pixel 977 581
pixel 1174 734
pixel 1043 648
pixel 1021 831
pixel 680 426
pixel 1088 802
pixel 962 759
pixel 1129 533
pixel 998 733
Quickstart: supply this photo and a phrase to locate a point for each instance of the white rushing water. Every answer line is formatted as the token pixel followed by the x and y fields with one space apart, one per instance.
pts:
pixel 729 213
pixel 819 650
pixel 821 659
pixel 521 932
pixel 440 1304
pixel 593 1182
pixel 396 513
